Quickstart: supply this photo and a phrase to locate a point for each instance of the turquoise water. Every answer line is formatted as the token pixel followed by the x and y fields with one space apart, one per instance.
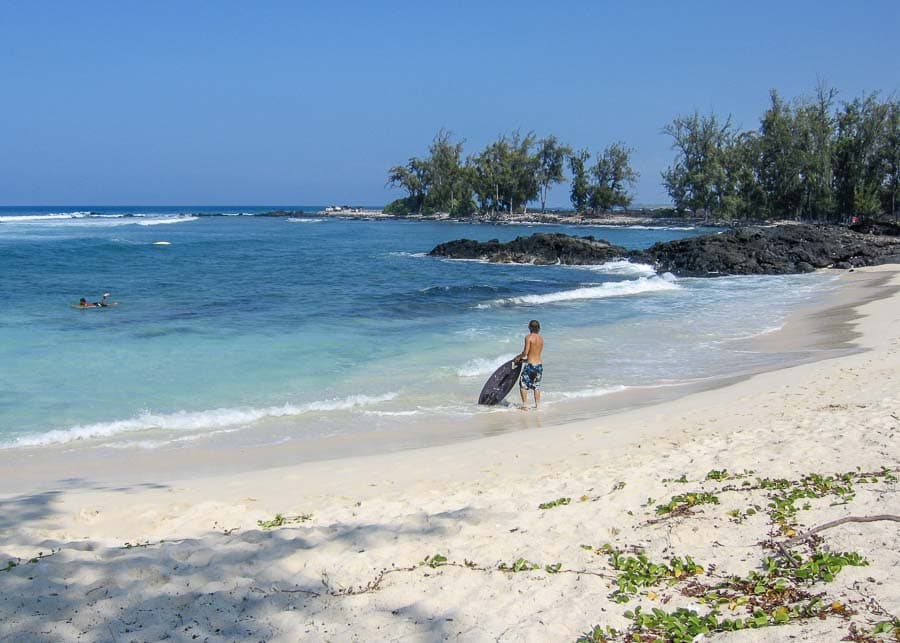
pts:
pixel 262 328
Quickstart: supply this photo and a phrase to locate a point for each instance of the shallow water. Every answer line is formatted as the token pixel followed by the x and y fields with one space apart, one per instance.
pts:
pixel 270 329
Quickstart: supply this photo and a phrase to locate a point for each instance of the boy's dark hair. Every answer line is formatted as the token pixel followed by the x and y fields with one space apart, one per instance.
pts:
pixel 534 326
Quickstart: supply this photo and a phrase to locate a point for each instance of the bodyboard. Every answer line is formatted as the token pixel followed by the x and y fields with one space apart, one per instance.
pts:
pixel 500 383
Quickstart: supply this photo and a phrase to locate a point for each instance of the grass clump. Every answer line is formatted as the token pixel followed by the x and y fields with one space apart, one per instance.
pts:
pixel 559 502
pixel 682 503
pixel 280 521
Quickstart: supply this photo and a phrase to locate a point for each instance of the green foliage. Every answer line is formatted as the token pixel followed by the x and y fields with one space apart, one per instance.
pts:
pixel 638 571
pixel 401 207
pixel 682 502
pixel 612 175
pixel 865 128
pixel 738 516
pixel 697 180
pixel 435 561
pixel 279 521
pixel 598 634
pixel 10 564
pixel 821 566
pixel 551 158
pixel 891 627
pixel 580 194
pixel 437 183
pixel 807 159
pixel 520 565
pixel 554 503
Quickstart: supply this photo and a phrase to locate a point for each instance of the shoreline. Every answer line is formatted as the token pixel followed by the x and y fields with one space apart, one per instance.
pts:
pixel 200 550
pixel 818 331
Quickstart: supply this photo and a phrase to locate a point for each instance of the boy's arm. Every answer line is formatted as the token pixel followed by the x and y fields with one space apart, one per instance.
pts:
pixel 524 352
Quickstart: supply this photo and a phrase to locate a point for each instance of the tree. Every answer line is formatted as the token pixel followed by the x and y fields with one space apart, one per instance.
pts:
pixel 743 196
pixel 612 174
pixel 450 189
pixel 580 193
pixel 414 177
pixel 437 183
pixel 697 178
pixel 506 173
pixel 859 156
pixel 487 171
pixel 551 159
pixel 815 132
pixel 521 172
pixel 781 170
pixel 890 158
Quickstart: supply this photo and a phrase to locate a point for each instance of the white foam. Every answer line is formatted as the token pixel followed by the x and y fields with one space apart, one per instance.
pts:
pixel 167 220
pixel 193 421
pixel 481 366
pixel 621 267
pixel 610 289
pixel 55 216
pixel 88 219
pixel 293 220
pixel 590 392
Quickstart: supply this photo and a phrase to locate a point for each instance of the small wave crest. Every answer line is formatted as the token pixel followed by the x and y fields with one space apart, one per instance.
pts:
pixel 611 289
pixel 53 216
pixel 293 220
pixel 481 366
pixel 62 219
pixel 590 392
pixel 621 267
pixel 193 420
pixel 167 220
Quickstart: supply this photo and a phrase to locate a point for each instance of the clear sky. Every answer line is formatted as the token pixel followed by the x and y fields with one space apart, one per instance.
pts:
pixel 126 102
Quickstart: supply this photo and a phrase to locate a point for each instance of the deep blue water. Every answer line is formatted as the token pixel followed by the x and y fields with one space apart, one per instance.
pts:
pixel 317 326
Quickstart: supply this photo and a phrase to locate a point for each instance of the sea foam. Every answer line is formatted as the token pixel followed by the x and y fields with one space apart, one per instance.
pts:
pixel 611 289
pixel 621 267
pixel 193 420
pixel 481 366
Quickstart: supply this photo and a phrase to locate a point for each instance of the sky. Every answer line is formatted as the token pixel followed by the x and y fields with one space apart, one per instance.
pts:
pixel 311 102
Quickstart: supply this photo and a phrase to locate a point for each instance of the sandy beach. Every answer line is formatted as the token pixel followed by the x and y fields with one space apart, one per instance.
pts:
pixel 521 536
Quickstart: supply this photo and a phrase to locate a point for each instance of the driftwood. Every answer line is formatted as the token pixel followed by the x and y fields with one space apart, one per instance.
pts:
pixel 834 523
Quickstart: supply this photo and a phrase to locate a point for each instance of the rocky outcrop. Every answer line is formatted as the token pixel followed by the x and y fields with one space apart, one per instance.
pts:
pixel 773 250
pixel 541 248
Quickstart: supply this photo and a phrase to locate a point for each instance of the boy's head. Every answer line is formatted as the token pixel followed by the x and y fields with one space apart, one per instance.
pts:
pixel 534 326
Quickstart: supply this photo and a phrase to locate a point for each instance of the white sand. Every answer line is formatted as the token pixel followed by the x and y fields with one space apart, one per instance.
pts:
pixel 203 570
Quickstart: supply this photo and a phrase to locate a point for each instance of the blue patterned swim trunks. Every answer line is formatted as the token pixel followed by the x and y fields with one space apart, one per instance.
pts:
pixel 531 376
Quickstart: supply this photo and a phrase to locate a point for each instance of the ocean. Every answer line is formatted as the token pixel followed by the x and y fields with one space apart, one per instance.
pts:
pixel 246 330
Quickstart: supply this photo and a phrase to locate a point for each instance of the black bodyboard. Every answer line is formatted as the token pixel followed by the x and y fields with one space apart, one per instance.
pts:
pixel 500 383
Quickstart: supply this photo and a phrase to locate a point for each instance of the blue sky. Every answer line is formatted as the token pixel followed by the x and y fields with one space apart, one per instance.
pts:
pixel 311 102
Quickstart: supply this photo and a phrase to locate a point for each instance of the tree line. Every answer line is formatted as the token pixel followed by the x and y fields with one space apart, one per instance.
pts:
pixel 810 158
pixel 507 175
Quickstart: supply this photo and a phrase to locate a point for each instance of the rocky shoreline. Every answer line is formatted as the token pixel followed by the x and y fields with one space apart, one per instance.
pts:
pixel 772 250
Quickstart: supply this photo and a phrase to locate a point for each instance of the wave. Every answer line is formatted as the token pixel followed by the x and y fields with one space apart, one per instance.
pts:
pixel 611 289
pixel 621 267
pixel 193 420
pixel 590 392
pixel 167 220
pixel 294 220
pixel 481 366
pixel 53 216
pixel 80 219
